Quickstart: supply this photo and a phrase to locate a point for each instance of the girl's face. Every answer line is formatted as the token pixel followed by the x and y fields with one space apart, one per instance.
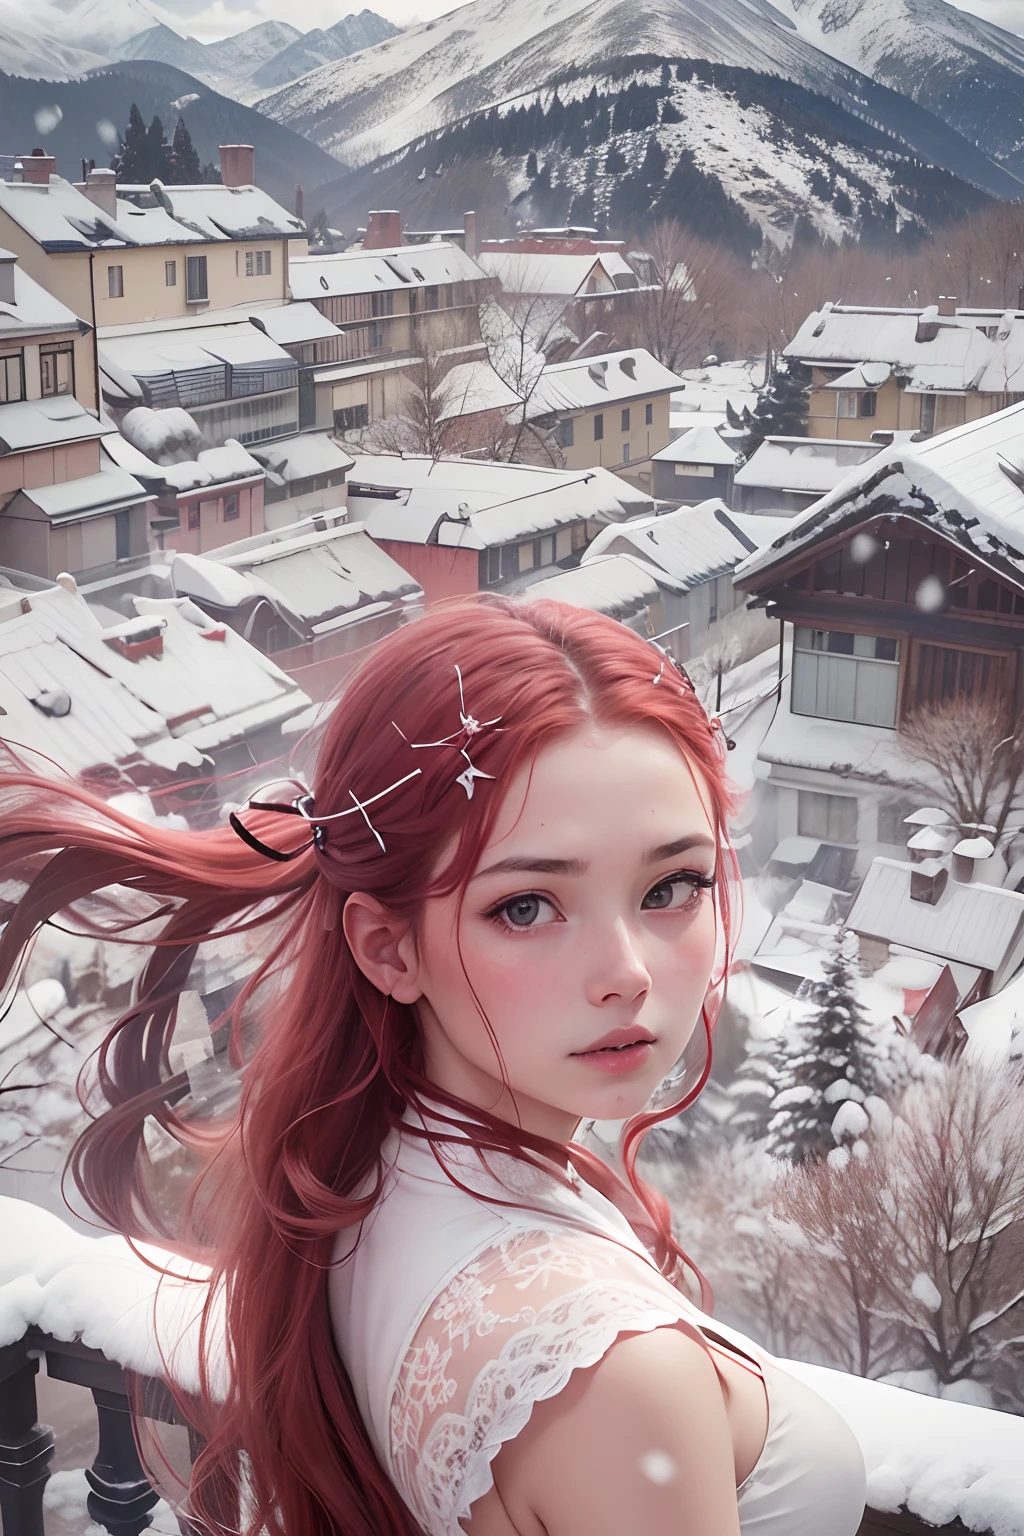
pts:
pixel 588 923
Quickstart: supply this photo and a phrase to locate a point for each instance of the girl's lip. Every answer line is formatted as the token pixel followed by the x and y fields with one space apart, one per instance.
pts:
pixel 628 1059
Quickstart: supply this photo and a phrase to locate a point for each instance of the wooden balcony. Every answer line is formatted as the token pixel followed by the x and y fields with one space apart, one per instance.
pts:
pixel 121 1498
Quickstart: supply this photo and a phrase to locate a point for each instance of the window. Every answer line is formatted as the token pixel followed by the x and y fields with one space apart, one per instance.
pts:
pixel 499 563
pixel 598 427
pixel 430 297
pixel 927 413
pixel 830 818
pixel 546 549
pixel 12 377
pixel 231 507
pixel 257 263
pixel 526 554
pixel 625 419
pixel 847 404
pixel 713 600
pixel 193 518
pixel 625 453
pixel 698 471
pixel 170 274
pixel 839 676
pixel 648 414
pixel 563 544
pixel 382 303
pixel 942 673
pixel 115 282
pixel 122 533
pixel 57 370
pixel 350 417
pixel 195 279
pixel 867 402
pixel 566 432
pixel 853 404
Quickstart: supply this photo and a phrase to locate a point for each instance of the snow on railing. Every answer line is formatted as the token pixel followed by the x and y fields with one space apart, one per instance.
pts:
pixel 91 1307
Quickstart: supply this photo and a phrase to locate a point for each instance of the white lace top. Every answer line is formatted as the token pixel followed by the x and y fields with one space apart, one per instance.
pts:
pixel 454 1317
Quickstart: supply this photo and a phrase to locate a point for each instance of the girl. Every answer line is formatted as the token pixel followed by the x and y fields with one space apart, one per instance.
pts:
pixel 500 911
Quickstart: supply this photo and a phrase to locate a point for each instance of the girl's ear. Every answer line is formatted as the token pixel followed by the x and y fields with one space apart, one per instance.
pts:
pixel 382 946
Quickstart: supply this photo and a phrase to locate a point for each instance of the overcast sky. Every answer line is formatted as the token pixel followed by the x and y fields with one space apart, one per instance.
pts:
pixel 209 19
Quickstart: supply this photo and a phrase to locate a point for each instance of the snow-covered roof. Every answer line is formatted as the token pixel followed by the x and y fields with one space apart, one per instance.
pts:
pixel 805 464
pixel 595 381
pixel 319 579
pixel 34 309
pixel 701 444
pixel 378 271
pixel 28 424
pixel 864 376
pixel 61 218
pixel 300 458
pixel 691 545
pixel 975 924
pixel 476 503
pixel 472 387
pixel 144 353
pixel 90 496
pixel 213 466
pixel 211 690
pixel 963 483
pixel 557 273
pixel 289 324
pixel 979 350
pixel 995 1026
pixel 619 585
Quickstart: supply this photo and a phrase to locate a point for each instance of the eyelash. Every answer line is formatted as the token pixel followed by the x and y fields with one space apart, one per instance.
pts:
pixel 691 877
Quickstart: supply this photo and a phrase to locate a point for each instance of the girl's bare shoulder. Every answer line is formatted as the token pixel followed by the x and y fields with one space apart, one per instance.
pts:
pixel 639 1441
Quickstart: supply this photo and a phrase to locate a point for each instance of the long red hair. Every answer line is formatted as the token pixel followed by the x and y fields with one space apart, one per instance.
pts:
pixel 327 1063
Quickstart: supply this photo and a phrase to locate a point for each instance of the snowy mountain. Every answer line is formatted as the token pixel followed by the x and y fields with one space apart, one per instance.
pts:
pixel 104 26
pixel 734 155
pixel 166 47
pixel 237 57
pixel 323 46
pixel 35 45
pixel 492 51
pixel 966 70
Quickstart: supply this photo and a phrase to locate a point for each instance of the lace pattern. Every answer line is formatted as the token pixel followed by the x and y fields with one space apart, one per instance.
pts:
pixel 505 1333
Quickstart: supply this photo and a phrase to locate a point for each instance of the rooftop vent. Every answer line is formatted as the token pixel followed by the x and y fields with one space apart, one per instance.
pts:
pixel 628 366
pixel 140 637
pixel 55 702
pixel 597 372
pixel 928 881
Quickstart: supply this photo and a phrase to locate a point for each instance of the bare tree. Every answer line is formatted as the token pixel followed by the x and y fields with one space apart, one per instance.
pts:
pixel 692 302
pixel 974 749
pixel 922 1237
pixel 518 329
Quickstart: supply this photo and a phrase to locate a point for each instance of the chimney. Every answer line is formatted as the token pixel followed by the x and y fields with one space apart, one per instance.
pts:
pixel 100 187
pixel 469 242
pixel 238 165
pixel 384 230
pixel 947 305
pixel 968 854
pixel 300 198
pixel 8 262
pixel 928 881
pixel 38 167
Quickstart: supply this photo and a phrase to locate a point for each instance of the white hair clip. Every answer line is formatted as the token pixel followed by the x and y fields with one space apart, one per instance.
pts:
pixel 469 727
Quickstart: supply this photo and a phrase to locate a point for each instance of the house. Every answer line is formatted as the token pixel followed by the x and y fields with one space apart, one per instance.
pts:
pixel 787 474
pixel 304 474
pixel 694 466
pixel 593 289
pixel 902 588
pixel 466 525
pixel 132 703
pixel 385 300
pixel 63 507
pixel 313 596
pixel 117 254
pixel 204 497
pixel 232 378
pixel 976 929
pixel 610 411
pixel 919 370
pixel 627 589
pixel 695 550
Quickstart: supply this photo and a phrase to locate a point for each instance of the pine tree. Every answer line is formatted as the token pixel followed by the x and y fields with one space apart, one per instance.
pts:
pixel 781 409
pixel 828 1056
pixel 185 167
pixel 531 165
pixel 753 1089
pixel 158 152
pixel 132 160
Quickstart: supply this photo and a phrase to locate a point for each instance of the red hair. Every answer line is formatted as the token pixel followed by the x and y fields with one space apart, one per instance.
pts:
pixel 331 1063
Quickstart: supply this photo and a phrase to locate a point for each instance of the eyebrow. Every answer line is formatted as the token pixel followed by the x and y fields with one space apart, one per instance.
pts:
pixel 536 864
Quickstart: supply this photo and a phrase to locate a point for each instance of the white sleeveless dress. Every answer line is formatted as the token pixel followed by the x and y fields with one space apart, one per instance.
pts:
pixel 455 1316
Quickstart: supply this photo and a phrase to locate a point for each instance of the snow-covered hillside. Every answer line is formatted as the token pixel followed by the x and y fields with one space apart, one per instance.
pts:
pixel 967 72
pixel 36 45
pixel 965 69
pixel 323 46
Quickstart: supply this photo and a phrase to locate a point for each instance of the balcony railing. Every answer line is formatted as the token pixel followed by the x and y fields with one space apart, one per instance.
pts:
pixel 121 1498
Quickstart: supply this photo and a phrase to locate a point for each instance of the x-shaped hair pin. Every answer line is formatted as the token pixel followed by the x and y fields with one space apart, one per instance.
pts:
pixel 469 728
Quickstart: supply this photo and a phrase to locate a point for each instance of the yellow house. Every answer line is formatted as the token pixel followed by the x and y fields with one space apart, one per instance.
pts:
pixel 610 411
pixel 907 370
pixel 118 255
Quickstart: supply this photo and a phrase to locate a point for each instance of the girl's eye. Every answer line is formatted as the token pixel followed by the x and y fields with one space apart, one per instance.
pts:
pixel 521 911
pixel 677 892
